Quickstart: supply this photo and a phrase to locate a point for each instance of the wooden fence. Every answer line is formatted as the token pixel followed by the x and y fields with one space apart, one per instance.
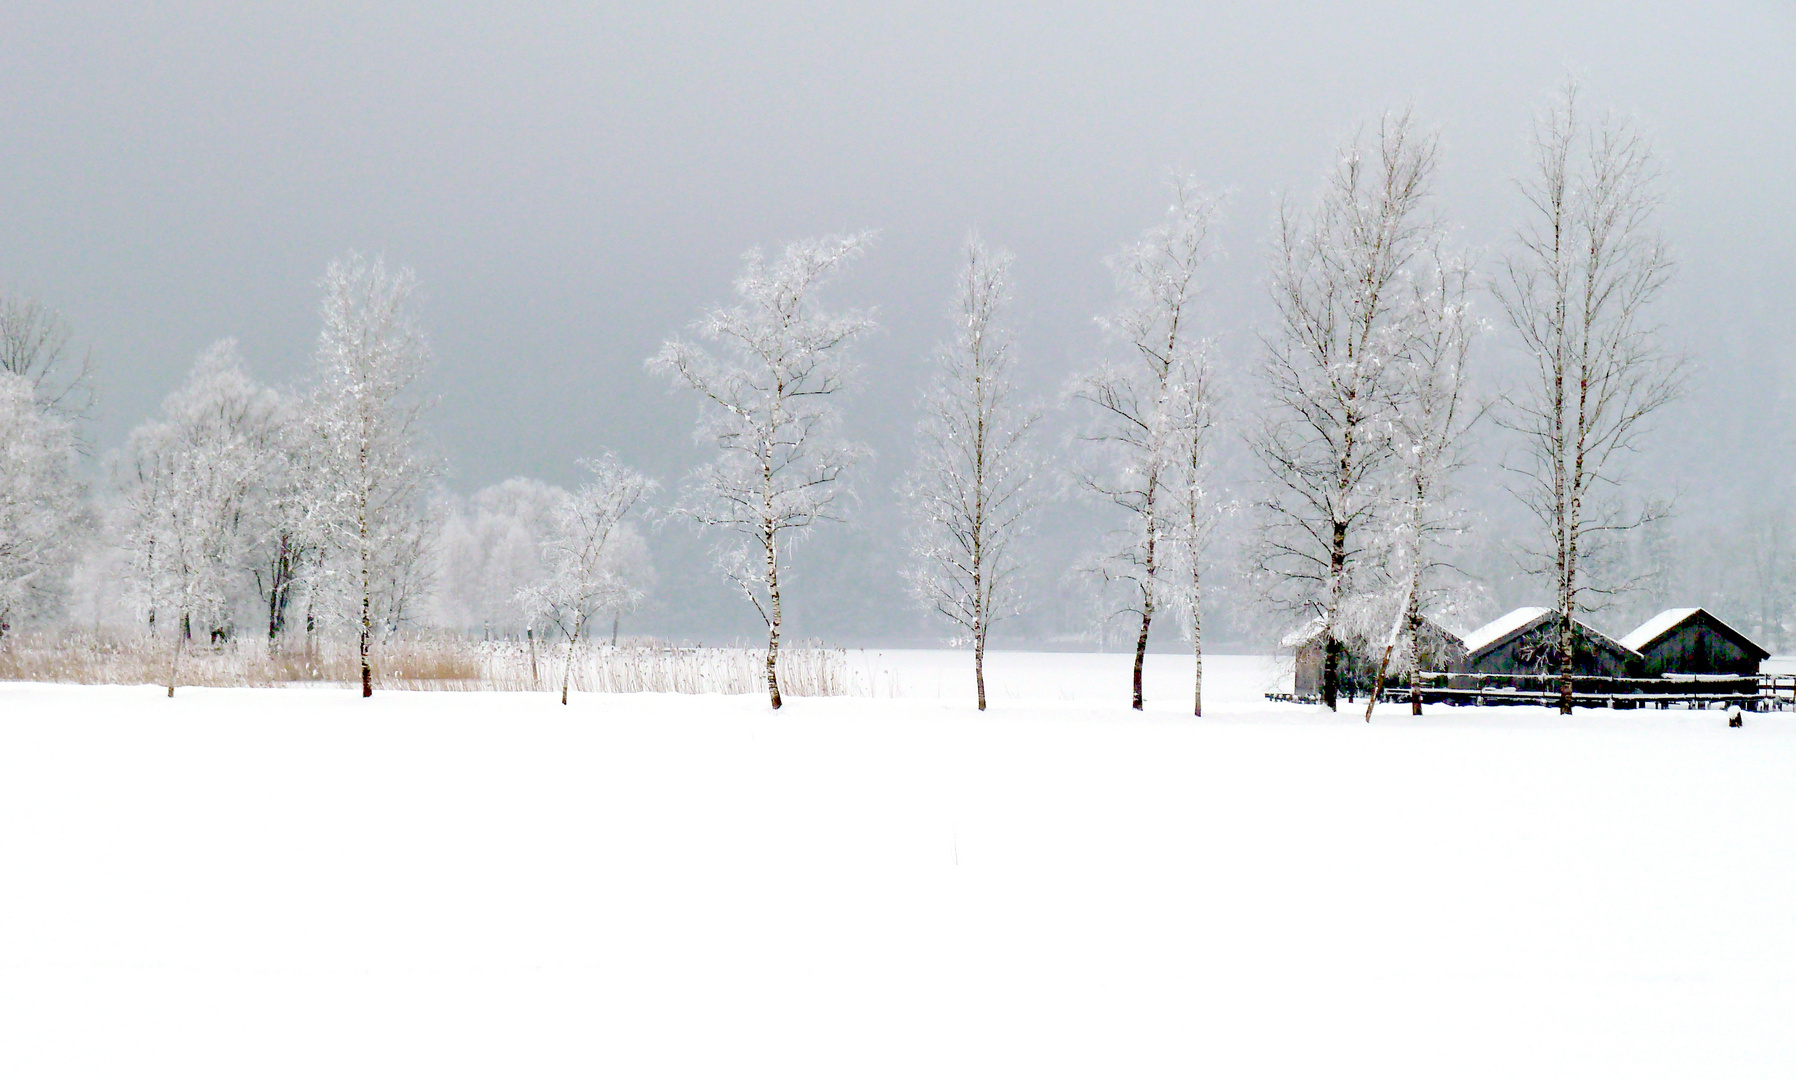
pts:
pixel 1753 693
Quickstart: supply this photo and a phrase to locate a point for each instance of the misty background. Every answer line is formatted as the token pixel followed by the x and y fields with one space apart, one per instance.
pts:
pixel 573 187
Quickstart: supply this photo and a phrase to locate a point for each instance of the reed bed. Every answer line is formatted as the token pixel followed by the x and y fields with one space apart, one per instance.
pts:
pixel 651 668
pixel 429 663
pixel 130 660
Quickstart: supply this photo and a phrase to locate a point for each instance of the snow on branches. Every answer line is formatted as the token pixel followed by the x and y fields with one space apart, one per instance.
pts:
pixel 34 346
pixel 1577 288
pixel 40 500
pixel 1150 411
pixel 370 478
pixel 194 484
pixel 768 408
pixel 593 561
pixel 969 492
pixel 1333 373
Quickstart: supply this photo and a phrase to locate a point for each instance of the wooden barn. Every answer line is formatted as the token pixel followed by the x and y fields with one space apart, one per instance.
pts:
pixel 1690 641
pixel 1441 651
pixel 1526 642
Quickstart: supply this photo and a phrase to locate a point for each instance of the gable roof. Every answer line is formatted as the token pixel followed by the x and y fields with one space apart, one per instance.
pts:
pixel 1505 628
pixel 1650 632
pixel 1312 630
pixel 1502 628
pixel 1303 634
pixel 1657 627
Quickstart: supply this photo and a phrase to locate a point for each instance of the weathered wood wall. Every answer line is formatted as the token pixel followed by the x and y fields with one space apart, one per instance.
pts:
pixel 1536 653
pixel 1696 648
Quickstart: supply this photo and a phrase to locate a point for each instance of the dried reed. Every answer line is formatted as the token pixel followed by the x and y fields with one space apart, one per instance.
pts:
pixel 652 668
pixel 428 663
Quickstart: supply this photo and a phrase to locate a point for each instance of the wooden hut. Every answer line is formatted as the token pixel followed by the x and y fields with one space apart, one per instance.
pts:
pixel 1526 642
pixel 1690 641
pixel 1306 646
pixel 1441 650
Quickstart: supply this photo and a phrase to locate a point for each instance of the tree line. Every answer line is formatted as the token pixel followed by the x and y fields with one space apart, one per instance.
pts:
pixel 316 505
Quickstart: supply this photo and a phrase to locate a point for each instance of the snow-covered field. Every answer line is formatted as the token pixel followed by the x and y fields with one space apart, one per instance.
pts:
pixel 271 883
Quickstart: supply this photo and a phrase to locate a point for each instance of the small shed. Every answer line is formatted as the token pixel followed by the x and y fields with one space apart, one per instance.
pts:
pixel 1690 641
pixel 1441 650
pixel 1526 642
pixel 1306 646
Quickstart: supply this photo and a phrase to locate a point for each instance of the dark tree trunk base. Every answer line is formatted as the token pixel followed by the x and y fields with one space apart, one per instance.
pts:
pixel 1140 656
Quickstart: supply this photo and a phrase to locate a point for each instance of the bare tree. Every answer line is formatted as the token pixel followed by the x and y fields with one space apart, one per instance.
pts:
pixel 587 555
pixel 1139 404
pixel 969 493
pixel 769 408
pixel 1432 419
pixel 1331 371
pixel 364 424
pixel 1577 289
pixel 34 345
pixel 1770 571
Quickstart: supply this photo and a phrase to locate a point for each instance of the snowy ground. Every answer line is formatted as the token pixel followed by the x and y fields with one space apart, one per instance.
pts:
pixel 269 883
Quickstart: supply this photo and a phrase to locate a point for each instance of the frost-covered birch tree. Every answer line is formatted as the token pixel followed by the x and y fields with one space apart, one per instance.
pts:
pixel 371 479
pixel 1195 510
pixel 1332 372
pixel 40 501
pixel 593 559
pixel 1432 420
pixel 193 481
pixel 969 493
pixel 1140 405
pixel 768 406
pixel 1577 288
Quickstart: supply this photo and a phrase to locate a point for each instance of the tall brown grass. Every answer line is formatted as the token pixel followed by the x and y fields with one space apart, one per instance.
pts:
pixel 428 663
pixel 127 659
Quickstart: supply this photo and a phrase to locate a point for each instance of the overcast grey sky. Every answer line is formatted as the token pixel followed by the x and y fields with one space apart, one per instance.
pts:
pixel 572 184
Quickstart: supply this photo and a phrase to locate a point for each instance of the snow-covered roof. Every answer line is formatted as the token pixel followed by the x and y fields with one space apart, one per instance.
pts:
pixel 1650 630
pixel 1303 633
pixel 1501 627
pixel 1666 621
